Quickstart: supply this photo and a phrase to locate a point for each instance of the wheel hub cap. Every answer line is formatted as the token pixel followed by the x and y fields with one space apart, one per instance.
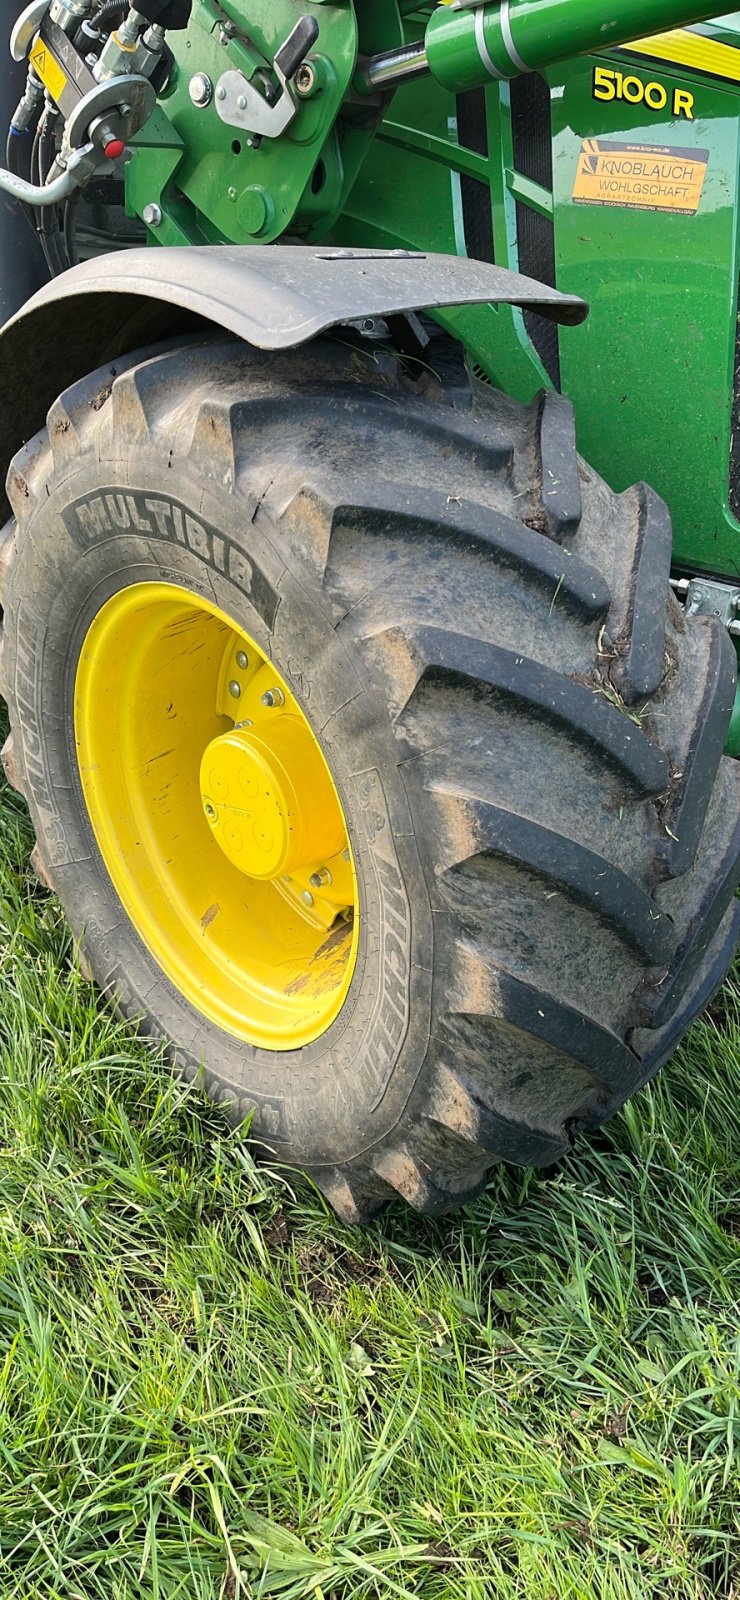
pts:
pixel 267 799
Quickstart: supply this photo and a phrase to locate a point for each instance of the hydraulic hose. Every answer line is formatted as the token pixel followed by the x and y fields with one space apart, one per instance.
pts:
pixel 47 220
pixel 60 186
pixel 109 15
pixel 22 268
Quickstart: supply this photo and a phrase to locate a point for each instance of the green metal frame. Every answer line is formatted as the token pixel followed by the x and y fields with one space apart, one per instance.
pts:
pixel 652 373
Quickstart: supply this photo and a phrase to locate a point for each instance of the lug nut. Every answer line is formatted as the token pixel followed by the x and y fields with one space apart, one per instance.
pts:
pixel 235 689
pixel 200 89
pixel 242 660
pixel 320 879
pixel 307 897
pixel 273 697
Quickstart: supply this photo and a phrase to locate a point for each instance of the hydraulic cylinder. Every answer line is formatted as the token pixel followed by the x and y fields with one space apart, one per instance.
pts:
pixel 467 45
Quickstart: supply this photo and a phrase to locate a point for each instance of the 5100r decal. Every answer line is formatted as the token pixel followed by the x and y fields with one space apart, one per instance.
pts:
pixel 613 85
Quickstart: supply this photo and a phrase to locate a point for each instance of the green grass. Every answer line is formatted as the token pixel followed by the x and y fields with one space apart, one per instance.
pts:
pixel 209 1388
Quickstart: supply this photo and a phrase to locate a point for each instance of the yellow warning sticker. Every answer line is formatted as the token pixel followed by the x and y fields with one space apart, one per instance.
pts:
pixel 49 70
pixel 646 176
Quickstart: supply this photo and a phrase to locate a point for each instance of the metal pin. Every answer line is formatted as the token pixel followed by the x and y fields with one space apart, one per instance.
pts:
pixel 200 89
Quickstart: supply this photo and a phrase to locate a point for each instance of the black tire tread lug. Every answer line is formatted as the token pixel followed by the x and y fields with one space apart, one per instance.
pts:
pixel 641 619
pixel 573 706
pixel 560 495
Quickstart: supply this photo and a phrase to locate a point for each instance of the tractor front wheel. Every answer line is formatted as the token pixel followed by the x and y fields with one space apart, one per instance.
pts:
pixel 375 768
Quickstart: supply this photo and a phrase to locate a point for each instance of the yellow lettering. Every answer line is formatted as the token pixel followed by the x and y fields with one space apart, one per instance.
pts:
pixel 604 88
pixel 683 104
pixel 633 89
pixel 656 96
pixel 609 85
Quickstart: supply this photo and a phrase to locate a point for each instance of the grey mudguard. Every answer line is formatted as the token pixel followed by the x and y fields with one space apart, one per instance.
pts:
pixel 274 297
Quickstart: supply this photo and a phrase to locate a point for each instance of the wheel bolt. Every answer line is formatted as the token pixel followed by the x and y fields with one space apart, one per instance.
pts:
pixel 235 689
pixel 320 879
pixel 273 697
pixel 242 660
pixel 307 897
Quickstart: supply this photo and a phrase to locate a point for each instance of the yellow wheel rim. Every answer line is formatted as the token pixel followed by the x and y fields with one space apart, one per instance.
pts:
pixel 216 816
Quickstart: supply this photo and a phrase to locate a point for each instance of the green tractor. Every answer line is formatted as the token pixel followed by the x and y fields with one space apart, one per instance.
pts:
pixel 379 750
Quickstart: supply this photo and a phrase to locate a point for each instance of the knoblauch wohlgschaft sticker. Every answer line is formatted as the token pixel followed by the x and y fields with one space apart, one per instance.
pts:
pixel 648 177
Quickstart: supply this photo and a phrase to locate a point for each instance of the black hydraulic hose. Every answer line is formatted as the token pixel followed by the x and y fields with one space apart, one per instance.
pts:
pixel 22 269
pixel 47 131
pixel 35 148
pixel 18 147
pixel 108 17
pixel 70 223
pixel 47 220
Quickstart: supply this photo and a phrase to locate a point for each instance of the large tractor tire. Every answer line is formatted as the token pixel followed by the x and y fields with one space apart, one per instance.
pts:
pixel 375 767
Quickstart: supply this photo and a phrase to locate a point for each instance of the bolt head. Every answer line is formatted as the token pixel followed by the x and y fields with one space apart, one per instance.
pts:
pixel 307 897
pixel 273 697
pixel 305 79
pixel 242 660
pixel 242 102
pixel 200 89
pixel 220 92
pixel 152 216
pixel 320 879
pixel 235 689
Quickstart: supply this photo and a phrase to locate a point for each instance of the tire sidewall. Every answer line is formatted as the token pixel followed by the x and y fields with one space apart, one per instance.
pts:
pixel 339 1096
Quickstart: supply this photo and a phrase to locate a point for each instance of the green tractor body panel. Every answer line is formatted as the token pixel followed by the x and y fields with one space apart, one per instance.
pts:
pixel 658 351
pixel 651 243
